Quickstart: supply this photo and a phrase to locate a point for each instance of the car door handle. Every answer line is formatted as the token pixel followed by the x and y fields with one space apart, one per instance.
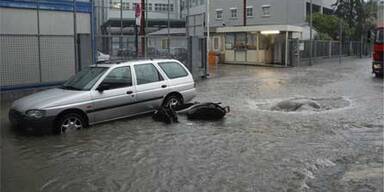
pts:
pixel 164 86
pixel 129 92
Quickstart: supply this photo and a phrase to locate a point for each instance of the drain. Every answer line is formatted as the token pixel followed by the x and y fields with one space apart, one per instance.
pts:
pixel 304 104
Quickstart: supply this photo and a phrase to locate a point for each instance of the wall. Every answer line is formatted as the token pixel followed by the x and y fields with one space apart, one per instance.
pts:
pixel 21 61
pixel 290 12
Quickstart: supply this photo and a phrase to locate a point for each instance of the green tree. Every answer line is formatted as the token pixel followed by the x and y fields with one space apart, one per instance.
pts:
pixel 328 26
pixel 359 14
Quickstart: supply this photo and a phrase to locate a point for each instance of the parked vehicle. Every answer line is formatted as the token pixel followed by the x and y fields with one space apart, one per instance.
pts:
pixel 101 57
pixel 378 47
pixel 378 53
pixel 105 92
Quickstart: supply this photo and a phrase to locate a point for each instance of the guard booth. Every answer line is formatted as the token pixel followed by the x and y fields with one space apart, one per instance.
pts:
pixel 265 44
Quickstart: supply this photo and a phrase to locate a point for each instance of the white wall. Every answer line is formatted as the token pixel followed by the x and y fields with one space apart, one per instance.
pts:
pixel 18 21
pixel 24 21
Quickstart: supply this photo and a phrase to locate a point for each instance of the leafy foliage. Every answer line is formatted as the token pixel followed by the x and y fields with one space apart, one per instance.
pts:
pixel 328 26
pixel 359 14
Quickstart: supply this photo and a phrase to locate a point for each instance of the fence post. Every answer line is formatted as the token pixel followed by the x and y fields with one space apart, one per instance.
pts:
pixel 315 48
pixel 329 49
pixel 38 40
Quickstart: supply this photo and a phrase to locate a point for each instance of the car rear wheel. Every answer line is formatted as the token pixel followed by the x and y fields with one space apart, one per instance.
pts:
pixel 172 100
pixel 68 123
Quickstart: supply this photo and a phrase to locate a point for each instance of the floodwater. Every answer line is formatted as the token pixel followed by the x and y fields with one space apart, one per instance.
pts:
pixel 252 149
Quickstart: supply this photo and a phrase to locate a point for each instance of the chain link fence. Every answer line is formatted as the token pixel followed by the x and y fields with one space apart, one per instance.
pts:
pixel 301 50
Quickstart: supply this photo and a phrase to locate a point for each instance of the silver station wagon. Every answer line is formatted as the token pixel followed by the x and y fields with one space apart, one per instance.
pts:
pixel 105 92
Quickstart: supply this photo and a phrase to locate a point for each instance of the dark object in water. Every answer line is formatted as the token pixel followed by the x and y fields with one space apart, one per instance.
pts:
pixel 166 115
pixel 207 111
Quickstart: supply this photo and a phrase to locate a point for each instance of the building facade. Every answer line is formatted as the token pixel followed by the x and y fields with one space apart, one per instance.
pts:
pixel 116 22
pixel 257 32
pixel 37 41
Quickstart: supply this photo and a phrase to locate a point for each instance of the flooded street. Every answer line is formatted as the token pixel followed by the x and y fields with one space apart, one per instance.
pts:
pixel 338 146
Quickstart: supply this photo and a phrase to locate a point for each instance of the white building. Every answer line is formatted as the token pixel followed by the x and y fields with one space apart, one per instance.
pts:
pixel 255 33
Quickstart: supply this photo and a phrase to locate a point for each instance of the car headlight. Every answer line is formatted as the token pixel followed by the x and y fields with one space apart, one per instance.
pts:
pixel 35 113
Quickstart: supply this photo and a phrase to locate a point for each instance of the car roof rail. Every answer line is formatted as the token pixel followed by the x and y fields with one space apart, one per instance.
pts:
pixel 112 61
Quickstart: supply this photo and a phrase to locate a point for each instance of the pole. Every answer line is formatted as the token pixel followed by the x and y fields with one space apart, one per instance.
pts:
pixel 146 37
pixel 38 40
pixel 121 28
pixel 244 12
pixel 286 48
pixel 136 41
pixel 208 39
pixel 169 25
pixel 286 36
pixel 77 64
pixel 187 20
pixel 189 56
pixel 310 33
pixel 93 31
pixel 142 27
pixel 341 41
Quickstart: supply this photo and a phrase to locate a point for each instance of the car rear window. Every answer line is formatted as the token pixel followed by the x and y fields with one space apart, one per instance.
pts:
pixel 173 70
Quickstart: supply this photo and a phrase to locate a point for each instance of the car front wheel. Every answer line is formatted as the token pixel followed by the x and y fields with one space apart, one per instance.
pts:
pixel 68 123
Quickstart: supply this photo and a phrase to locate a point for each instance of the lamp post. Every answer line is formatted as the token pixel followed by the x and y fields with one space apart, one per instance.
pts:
pixel 169 25
pixel 310 33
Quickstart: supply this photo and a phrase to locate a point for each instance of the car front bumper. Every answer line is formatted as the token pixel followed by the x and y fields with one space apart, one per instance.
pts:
pixel 21 121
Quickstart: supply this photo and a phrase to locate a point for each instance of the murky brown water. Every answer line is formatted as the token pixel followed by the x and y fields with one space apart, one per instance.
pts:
pixel 250 150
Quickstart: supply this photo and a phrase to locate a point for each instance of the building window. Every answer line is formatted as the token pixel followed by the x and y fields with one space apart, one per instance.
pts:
pixel 163 7
pixel 115 4
pixel 219 14
pixel 251 41
pixel 241 41
pixel 147 6
pixel 266 10
pixel 233 12
pixel 126 5
pixel 216 43
pixel 229 41
pixel 249 11
pixel 202 2
pixel 164 43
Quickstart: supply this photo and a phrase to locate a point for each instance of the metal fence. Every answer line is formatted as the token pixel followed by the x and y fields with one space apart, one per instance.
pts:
pixel 330 49
pixel 33 59
pixel 300 50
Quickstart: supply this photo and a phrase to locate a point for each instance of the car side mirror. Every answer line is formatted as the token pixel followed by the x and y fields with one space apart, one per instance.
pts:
pixel 102 87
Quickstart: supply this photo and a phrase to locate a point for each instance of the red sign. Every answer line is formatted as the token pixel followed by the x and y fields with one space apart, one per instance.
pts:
pixel 137 10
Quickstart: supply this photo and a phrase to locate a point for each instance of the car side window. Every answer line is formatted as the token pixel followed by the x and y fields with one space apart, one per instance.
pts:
pixel 147 73
pixel 173 70
pixel 118 78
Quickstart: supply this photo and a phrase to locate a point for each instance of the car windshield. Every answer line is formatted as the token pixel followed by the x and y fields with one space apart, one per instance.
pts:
pixel 85 79
pixel 379 36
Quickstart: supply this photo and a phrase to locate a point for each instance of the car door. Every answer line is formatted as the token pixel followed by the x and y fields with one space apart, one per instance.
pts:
pixel 151 87
pixel 114 96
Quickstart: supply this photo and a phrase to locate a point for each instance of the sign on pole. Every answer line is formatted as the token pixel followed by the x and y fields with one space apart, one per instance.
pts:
pixel 138 14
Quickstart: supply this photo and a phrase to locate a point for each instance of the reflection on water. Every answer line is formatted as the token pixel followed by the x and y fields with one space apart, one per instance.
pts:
pixel 249 150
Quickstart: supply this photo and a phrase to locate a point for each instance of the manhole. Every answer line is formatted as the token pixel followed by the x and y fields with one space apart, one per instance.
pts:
pixel 303 104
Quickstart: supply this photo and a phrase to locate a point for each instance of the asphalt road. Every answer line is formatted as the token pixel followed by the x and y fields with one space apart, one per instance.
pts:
pixel 337 147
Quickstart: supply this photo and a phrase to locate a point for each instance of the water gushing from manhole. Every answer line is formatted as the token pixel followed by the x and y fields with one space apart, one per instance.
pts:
pixel 304 104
